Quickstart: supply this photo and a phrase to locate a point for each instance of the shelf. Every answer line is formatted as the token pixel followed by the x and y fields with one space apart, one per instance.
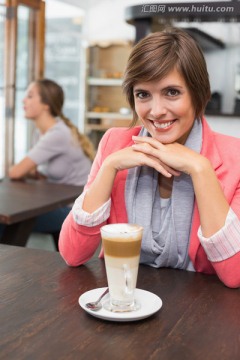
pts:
pixel 104 94
pixel 104 81
pixel 103 121
pixel 97 127
pixel 104 127
pixel 107 115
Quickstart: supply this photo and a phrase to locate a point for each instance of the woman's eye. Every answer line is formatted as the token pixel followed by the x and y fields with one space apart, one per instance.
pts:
pixel 141 95
pixel 172 92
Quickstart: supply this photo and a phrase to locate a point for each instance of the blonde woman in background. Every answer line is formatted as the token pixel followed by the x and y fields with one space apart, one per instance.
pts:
pixel 60 154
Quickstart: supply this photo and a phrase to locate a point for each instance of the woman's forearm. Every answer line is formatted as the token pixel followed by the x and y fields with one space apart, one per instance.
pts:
pixel 21 169
pixel 212 204
pixel 100 190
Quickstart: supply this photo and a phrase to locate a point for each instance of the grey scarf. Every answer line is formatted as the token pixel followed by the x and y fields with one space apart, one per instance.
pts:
pixel 166 235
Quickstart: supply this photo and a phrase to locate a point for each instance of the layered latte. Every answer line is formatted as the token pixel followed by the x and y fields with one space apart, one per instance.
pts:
pixel 122 245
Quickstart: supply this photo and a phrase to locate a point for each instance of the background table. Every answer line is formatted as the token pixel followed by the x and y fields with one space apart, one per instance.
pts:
pixel 22 201
pixel 40 317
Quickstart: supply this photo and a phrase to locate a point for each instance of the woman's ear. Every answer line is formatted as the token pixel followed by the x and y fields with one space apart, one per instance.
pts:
pixel 46 108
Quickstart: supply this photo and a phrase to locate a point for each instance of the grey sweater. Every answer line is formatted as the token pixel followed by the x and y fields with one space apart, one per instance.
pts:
pixel 59 158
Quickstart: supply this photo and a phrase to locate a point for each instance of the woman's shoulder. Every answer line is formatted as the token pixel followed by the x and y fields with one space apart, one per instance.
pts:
pixel 231 142
pixel 59 131
pixel 60 126
pixel 226 144
pixel 224 149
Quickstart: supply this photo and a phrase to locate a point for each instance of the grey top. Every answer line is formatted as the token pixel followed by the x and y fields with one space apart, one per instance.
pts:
pixel 59 158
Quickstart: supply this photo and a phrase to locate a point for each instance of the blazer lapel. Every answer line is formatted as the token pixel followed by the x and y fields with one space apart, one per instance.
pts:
pixel 209 148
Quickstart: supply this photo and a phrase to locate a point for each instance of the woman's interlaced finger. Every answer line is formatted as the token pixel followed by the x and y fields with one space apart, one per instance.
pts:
pixel 153 153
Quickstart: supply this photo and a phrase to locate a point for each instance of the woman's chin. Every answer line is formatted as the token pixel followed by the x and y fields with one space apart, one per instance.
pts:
pixel 163 138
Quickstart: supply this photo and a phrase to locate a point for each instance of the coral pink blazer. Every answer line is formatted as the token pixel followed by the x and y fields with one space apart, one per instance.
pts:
pixel 78 243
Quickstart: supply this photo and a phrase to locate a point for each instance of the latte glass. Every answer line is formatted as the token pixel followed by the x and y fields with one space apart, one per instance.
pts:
pixel 122 246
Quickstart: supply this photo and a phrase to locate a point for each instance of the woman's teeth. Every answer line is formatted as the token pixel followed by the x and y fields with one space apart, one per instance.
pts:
pixel 162 125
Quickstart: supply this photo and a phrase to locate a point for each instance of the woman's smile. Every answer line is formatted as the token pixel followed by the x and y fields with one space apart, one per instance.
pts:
pixel 165 107
pixel 163 125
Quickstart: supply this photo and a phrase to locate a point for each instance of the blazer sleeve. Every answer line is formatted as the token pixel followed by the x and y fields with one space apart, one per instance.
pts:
pixel 228 270
pixel 78 243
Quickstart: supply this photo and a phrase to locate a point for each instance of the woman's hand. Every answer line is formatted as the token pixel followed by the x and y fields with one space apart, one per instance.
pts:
pixel 212 204
pixel 100 189
pixel 128 158
pixel 174 156
pixel 22 169
pixel 35 174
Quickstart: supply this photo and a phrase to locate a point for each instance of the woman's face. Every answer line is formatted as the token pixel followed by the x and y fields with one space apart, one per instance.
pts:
pixel 165 107
pixel 32 104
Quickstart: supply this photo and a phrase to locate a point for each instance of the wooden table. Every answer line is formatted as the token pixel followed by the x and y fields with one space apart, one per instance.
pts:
pixel 40 317
pixel 22 201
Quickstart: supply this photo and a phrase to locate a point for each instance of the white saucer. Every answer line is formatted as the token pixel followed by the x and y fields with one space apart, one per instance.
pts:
pixel 150 304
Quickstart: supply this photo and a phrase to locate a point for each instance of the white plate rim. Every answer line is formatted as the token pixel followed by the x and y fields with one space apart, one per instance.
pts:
pixel 151 306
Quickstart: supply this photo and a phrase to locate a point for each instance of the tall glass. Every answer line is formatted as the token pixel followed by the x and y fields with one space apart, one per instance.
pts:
pixel 122 246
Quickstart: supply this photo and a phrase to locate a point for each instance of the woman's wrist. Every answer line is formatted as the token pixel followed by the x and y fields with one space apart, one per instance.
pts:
pixel 199 167
pixel 110 166
pixel 100 190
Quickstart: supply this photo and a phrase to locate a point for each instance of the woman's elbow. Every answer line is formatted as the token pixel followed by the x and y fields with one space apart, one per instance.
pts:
pixel 232 283
pixel 228 271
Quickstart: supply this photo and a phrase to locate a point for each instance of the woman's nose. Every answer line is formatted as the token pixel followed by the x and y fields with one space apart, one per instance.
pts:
pixel 158 108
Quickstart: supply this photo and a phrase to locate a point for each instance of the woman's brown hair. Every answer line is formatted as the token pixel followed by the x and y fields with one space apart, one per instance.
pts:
pixel 153 57
pixel 52 94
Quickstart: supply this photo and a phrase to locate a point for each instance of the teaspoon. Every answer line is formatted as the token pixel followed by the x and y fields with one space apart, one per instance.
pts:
pixel 96 305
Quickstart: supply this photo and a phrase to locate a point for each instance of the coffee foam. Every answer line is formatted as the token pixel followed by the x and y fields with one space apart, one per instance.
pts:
pixel 121 230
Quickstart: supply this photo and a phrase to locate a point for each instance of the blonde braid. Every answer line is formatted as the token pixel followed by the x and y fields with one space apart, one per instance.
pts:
pixel 81 139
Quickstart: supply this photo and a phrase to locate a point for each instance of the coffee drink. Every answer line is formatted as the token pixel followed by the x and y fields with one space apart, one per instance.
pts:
pixel 122 246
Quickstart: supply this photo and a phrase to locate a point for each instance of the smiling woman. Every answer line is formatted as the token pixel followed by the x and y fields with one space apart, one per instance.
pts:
pixel 161 58
pixel 171 170
pixel 165 108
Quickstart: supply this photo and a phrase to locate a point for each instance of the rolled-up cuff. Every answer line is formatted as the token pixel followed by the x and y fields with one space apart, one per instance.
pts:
pixel 224 243
pixel 82 217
